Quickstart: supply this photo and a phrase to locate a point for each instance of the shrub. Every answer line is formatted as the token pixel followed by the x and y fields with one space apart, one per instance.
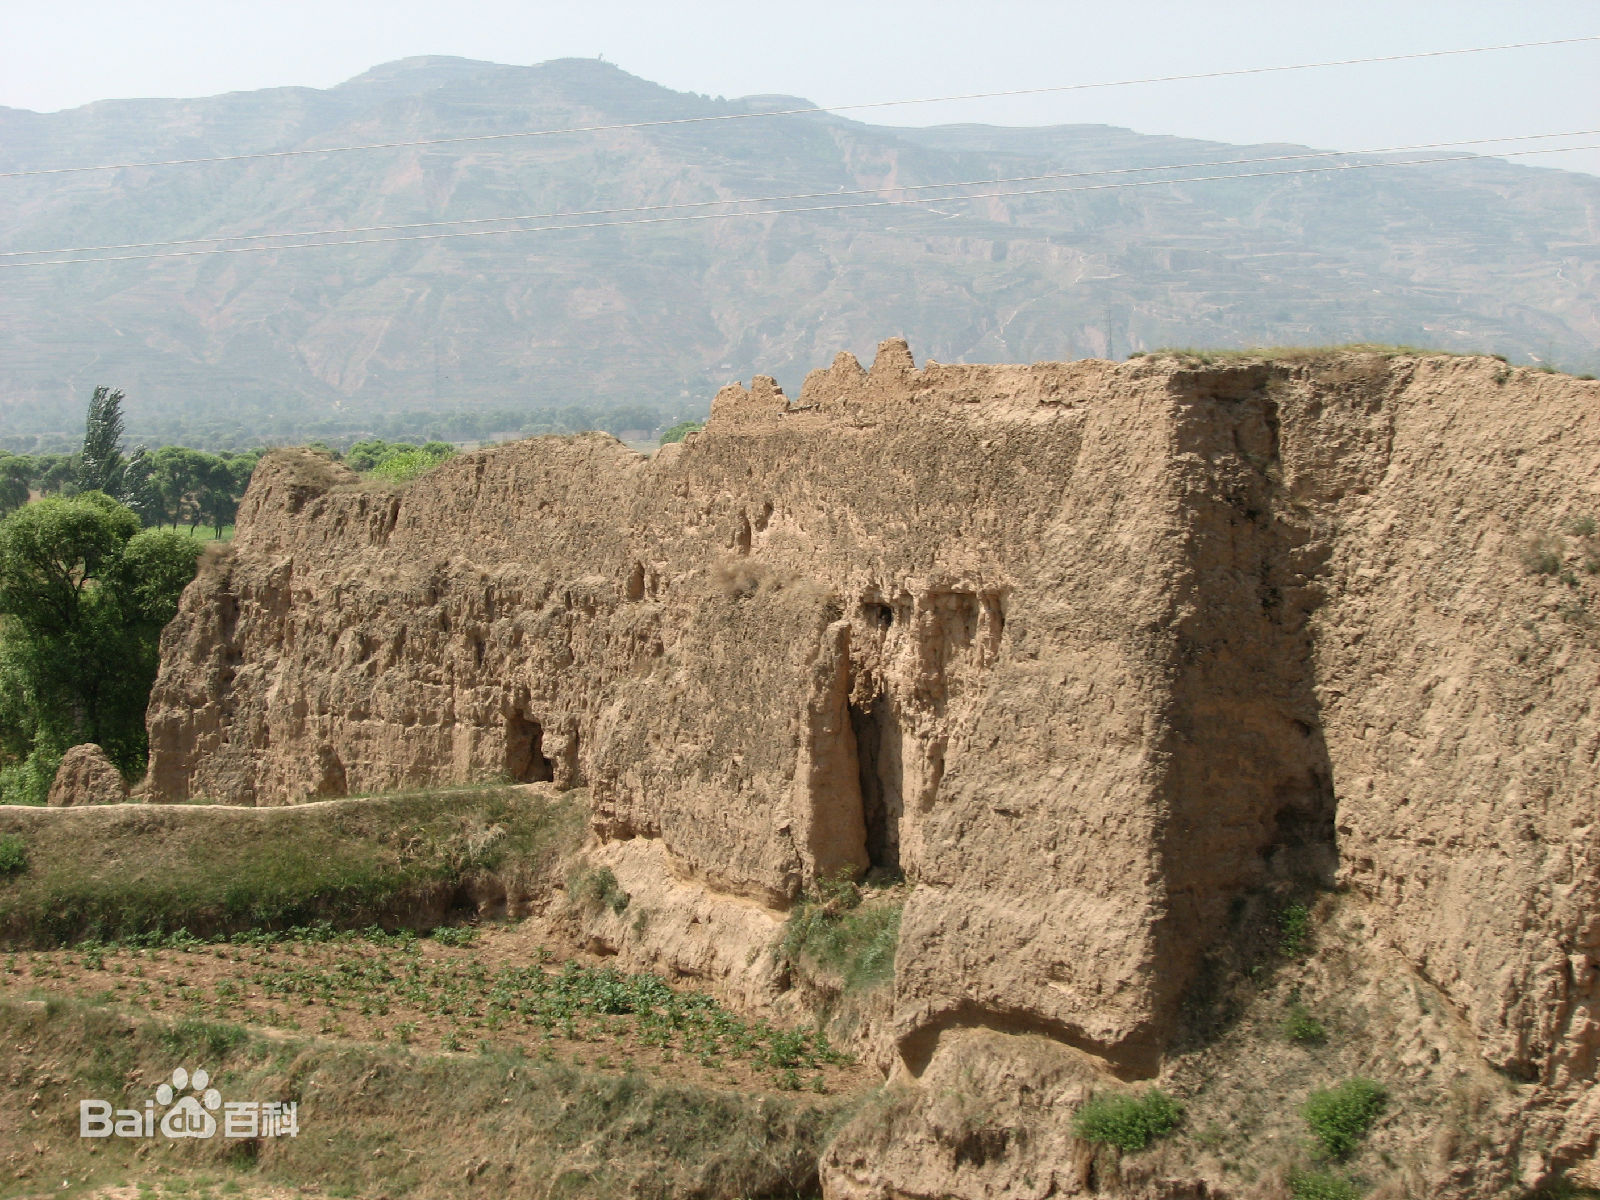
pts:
pixel 680 431
pixel 1294 930
pixel 1301 1026
pixel 1341 1116
pixel 28 781
pixel 1542 555
pixel 596 889
pixel 1583 527
pixel 1322 1185
pixel 831 928
pixel 13 855
pixel 1127 1122
pixel 402 465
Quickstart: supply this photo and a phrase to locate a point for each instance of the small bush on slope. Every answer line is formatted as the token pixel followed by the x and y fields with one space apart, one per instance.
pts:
pixel 1322 1185
pixel 833 929
pixel 1300 1026
pixel 1127 1122
pixel 1341 1116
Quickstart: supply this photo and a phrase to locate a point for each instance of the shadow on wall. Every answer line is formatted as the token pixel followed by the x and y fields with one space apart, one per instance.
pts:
pixel 525 757
pixel 879 749
pixel 909 654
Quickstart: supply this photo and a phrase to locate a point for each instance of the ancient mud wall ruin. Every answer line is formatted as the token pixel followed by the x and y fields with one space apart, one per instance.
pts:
pixel 1086 650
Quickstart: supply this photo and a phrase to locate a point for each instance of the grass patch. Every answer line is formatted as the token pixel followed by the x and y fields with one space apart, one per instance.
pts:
pixel 1300 1026
pixel 593 889
pixel 407 465
pixel 1125 1121
pixel 207 533
pixel 1340 1117
pixel 13 855
pixel 380 1120
pixel 1322 1185
pixel 124 871
pixel 846 933
pixel 1294 931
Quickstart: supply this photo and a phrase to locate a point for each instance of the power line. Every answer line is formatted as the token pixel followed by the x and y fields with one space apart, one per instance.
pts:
pixel 647 208
pixel 770 212
pixel 793 112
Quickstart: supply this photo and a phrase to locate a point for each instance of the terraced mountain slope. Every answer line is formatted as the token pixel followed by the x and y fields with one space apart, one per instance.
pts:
pixel 1481 255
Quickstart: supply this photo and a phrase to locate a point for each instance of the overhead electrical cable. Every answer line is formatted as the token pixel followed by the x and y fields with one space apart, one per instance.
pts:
pixel 684 204
pixel 805 111
pixel 770 212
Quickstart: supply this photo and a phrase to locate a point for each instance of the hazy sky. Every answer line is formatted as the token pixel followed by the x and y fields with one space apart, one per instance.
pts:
pixel 65 53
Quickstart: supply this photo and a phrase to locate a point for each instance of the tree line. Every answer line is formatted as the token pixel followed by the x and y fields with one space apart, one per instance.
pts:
pixel 170 486
pixel 92 564
pixel 224 429
pixel 89 576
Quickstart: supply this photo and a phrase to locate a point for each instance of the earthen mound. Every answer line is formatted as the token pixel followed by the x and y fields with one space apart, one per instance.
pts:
pixel 87 776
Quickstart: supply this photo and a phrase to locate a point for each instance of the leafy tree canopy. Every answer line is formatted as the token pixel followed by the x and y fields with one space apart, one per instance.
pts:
pixel 49 552
pixel 84 594
pixel 680 431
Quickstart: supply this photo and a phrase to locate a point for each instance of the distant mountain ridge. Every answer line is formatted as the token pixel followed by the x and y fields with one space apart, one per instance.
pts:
pixel 1483 255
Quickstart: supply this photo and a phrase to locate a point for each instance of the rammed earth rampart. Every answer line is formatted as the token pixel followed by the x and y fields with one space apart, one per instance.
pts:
pixel 1086 650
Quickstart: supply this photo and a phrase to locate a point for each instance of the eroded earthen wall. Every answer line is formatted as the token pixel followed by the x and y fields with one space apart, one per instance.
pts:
pixel 1086 650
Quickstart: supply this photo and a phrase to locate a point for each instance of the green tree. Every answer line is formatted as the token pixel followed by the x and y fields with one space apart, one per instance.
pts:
pixel 680 431
pixel 216 502
pixel 243 466
pixel 51 550
pixel 55 473
pixel 139 491
pixel 84 594
pixel 100 467
pixel 16 476
pixel 177 474
pixel 365 455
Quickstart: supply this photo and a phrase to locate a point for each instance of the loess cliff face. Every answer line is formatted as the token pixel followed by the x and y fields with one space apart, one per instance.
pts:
pixel 1090 652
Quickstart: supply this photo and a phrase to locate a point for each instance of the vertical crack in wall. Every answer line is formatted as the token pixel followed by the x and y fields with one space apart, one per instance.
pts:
pixel 881 769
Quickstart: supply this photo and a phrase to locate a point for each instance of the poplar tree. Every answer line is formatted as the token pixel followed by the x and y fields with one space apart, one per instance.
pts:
pixel 100 468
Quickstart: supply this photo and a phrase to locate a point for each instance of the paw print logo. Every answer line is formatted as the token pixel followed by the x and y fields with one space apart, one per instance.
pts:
pixel 191 1115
